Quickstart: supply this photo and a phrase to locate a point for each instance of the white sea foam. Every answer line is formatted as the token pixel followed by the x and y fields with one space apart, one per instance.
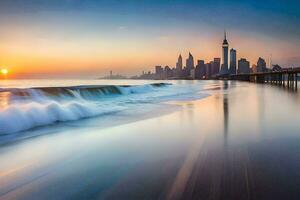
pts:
pixel 23 109
pixel 20 117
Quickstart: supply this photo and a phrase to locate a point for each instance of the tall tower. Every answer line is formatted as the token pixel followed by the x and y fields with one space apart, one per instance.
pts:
pixel 190 62
pixel 232 68
pixel 179 63
pixel 225 46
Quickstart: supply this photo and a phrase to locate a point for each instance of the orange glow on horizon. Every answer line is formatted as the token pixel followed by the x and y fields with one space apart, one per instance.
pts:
pixel 127 56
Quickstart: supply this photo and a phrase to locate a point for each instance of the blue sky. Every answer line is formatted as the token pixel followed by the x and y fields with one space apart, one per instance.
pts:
pixel 141 25
pixel 269 16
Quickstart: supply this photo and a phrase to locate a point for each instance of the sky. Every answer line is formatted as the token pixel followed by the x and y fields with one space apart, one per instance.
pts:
pixel 88 38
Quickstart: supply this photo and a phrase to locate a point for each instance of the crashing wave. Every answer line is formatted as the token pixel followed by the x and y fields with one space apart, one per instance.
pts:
pixel 23 109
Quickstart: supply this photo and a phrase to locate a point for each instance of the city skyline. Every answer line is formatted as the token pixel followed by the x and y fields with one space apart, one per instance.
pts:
pixel 230 63
pixel 80 38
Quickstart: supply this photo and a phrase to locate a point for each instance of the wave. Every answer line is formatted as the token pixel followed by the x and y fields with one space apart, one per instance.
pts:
pixel 26 108
pixel 80 91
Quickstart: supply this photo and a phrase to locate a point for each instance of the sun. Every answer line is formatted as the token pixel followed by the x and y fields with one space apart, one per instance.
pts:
pixel 4 71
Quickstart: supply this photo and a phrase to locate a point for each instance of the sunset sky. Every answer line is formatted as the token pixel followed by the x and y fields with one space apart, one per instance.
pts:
pixel 87 38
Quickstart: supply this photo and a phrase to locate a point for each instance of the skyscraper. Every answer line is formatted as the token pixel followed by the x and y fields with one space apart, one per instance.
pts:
pixel 158 70
pixel 216 66
pixel 261 65
pixel 243 66
pixel 190 62
pixel 179 63
pixel 200 71
pixel 232 68
pixel 225 46
pixel 179 66
pixel 209 69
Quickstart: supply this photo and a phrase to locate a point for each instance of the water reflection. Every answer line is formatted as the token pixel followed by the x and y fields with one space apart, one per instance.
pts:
pixel 226 114
pixel 225 84
pixel 4 100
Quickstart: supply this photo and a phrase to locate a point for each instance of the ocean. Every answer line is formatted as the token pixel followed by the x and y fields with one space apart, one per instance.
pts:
pixel 29 104
pixel 137 139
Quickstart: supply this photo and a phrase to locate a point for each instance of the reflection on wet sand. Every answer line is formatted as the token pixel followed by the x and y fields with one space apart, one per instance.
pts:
pixel 228 171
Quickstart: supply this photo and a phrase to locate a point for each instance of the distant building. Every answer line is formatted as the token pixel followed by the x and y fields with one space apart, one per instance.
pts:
pixel 261 65
pixel 243 66
pixel 113 76
pixel 167 72
pixel 179 66
pixel 146 75
pixel 216 66
pixel 225 46
pixel 232 68
pixel 158 70
pixel 276 68
pixel 193 73
pixel 200 70
pixel 185 72
pixel 209 69
pixel 190 62
pixel 174 71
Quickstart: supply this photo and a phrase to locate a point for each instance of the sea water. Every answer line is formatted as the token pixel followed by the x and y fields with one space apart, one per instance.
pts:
pixel 27 104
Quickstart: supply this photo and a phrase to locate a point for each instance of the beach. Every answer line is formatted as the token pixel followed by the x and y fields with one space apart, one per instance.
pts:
pixel 219 140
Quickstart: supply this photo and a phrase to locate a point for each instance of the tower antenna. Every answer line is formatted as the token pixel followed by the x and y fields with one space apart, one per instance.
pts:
pixel 270 61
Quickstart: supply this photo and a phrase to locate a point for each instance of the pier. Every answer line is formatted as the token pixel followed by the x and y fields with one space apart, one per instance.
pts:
pixel 285 78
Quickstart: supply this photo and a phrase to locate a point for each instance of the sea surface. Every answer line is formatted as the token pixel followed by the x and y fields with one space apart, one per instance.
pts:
pixel 136 139
pixel 29 104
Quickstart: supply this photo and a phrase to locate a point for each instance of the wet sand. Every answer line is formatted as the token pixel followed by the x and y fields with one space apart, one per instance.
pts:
pixel 240 143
